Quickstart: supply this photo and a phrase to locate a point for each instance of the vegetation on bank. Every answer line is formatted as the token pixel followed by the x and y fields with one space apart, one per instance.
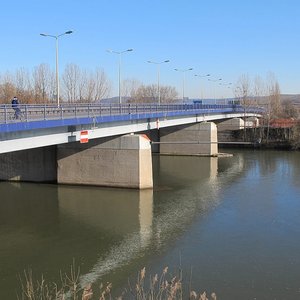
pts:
pixel 157 287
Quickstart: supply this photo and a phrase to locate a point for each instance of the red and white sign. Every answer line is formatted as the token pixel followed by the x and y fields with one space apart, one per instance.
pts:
pixel 84 136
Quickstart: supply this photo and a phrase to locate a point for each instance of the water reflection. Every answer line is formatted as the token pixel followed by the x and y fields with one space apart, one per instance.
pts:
pixel 117 212
pixel 174 170
pixel 112 233
pixel 126 216
pixel 173 209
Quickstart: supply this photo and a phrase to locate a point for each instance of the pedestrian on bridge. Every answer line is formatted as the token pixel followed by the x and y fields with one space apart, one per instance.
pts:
pixel 15 106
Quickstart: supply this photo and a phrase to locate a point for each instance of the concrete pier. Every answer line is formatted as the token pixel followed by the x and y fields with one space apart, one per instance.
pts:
pixel 124 161
pixel 34 165
pixel 197 139
pixel 231 124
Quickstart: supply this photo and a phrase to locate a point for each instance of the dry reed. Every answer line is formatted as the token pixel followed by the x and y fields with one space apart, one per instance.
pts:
pixel 163 287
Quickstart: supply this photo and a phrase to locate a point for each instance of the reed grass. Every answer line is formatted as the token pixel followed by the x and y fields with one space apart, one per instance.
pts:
pixel 158 287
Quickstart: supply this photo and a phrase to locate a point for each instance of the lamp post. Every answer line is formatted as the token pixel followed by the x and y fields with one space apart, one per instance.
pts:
pixel 119 53
pixel 57 77
pixel 158 71
pixel 183 71
pixel 227 85
pixel 197 75
pixel 215 80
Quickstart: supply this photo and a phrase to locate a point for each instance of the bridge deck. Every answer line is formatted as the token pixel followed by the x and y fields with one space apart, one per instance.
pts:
pixel 49 116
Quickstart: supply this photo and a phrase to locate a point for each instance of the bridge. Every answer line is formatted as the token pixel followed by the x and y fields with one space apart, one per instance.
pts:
pixel 108 145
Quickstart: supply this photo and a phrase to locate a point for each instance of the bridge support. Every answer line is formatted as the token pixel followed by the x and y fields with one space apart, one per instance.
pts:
pixel 34 165
pixel 117 162
pixel 238 124
pixel 198 139
pixel 231 124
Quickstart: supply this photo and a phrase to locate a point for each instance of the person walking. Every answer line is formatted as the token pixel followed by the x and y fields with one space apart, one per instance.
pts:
pixel 15 107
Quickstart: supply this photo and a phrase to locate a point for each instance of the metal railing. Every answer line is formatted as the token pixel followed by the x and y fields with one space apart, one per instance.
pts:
pixel 38 112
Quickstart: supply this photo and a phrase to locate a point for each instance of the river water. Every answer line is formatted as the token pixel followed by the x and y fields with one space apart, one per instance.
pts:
pixel 232 225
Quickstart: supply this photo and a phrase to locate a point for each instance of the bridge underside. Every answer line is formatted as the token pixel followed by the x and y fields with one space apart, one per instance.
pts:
pixel 108 159
pixel 122 161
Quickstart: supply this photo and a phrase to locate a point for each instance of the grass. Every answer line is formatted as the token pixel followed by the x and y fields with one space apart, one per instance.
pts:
pixel 157 287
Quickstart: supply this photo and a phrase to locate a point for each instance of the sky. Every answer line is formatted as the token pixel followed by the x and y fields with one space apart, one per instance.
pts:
pixel 227 39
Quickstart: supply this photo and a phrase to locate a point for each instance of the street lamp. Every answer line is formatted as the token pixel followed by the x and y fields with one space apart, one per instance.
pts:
pixel 119 53
pixel 56 38
pixel 183 79
pixel 226 85
pixel 158 71
pixel 215 80
pixel 197 75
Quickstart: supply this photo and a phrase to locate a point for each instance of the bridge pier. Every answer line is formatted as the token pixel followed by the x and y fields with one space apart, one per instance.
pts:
pixel 33 165
pixel 124 161
pixel 197 139
pixel 231 124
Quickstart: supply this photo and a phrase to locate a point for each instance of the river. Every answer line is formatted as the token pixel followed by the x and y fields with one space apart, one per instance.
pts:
pixel 231 224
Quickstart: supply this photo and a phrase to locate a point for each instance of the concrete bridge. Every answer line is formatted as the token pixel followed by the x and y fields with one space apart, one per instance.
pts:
pixel 108 145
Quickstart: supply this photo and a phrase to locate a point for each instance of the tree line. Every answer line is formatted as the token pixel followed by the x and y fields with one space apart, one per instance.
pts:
pixel 264 93
pixel 77 85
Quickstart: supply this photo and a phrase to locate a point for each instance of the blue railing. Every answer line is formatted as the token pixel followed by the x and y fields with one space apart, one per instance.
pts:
pixel 45 112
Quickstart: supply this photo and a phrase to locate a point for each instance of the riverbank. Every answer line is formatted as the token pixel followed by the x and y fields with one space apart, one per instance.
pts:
pixel 261 138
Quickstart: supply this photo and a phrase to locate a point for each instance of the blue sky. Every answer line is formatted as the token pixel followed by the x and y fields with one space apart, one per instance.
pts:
pixel 224 38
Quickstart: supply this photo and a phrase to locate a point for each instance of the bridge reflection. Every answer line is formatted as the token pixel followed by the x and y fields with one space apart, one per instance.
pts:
pixel 143 221
pixel 104 230
pixel 117 212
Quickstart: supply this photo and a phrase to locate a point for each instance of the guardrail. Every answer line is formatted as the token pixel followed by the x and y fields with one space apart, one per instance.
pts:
pixel 29 112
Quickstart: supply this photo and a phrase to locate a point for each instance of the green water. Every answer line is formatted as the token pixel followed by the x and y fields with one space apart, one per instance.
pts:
pixel 234 223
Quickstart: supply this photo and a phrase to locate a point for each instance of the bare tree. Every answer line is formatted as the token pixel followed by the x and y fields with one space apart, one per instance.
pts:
pixel 7 88
pixel 145 94
pixel 242 92
pixel 71 78
pixel 42 80
pixel 83 86
pixel 168 94
pixel 101 85
pixel 130 86
pixel 259 91
pixel 22 82
pixel 289 110
pixel 275 108
pixel 93 86
pixel 148 94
